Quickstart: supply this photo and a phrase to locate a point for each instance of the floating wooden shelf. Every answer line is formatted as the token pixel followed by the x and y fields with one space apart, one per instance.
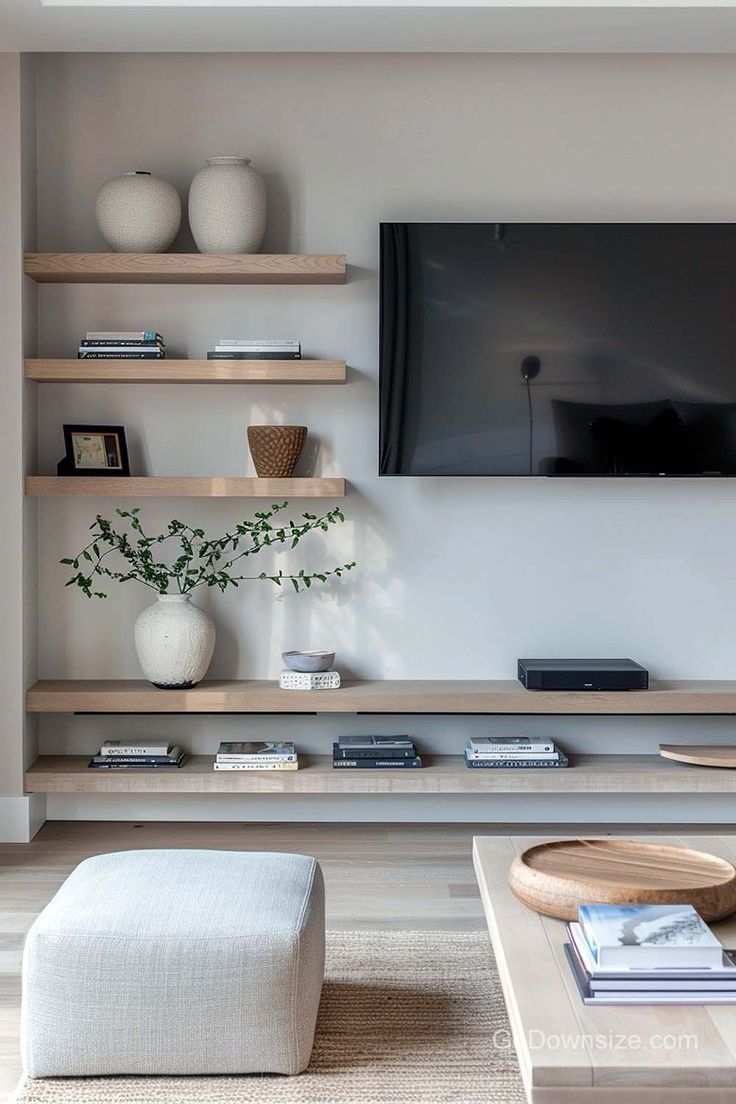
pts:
pixel 180 486
pixel 185 371
pixel 387 697
pixel 185 268
pixel 444 774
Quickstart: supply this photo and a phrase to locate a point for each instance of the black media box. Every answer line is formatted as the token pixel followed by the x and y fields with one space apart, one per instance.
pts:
pixel 582 674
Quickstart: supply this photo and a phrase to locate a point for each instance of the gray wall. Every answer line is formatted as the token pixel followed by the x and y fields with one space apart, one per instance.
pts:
pixel 456 577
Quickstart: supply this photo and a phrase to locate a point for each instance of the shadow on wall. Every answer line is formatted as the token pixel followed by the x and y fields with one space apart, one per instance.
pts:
pixel 285 205
pixel 323 616
pixel 255 622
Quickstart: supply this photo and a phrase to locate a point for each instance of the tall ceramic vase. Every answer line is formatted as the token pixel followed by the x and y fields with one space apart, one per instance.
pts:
pixel 174 641
pixel 227 206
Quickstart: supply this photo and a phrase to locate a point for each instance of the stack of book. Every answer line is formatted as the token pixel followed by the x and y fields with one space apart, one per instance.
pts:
pixel 238 755
pixel 122 345
pixel 513 751
pixel 256 349
pixel 118 754
pixel 375 753
pixel 648 954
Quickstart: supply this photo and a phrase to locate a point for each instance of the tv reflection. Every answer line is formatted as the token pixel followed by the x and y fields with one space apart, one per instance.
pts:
pixel 664 437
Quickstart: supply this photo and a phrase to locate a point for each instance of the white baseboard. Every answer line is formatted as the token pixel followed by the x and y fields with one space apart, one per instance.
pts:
pixel 21 817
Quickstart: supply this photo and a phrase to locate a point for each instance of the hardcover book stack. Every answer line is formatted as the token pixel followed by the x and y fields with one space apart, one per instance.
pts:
pixel 375 753
pixel 513 751
pixel 119 755
pixel 648 954
pixel 122 345
pixel 256 756
pixel 256 349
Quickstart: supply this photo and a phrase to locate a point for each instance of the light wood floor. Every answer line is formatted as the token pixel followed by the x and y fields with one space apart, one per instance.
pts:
pixel 377 876
pixel 400 876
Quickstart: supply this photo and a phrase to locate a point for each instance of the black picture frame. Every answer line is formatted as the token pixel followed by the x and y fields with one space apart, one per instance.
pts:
pixel 112 448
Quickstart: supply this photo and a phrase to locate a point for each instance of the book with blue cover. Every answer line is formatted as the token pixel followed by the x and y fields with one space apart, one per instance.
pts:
pixel 121 343
pixel 649 936
pixel 144 345
pixel 123 335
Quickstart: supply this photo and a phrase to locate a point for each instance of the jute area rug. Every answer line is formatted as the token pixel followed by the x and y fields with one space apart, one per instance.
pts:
pixel 406 1018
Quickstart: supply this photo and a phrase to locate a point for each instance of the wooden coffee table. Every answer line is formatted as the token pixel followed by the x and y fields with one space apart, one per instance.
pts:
pixel 570 1053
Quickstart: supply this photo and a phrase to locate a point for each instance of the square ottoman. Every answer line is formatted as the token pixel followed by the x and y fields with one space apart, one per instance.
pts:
pixel 176 962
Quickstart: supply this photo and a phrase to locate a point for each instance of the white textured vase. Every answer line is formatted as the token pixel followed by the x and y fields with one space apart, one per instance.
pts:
pixel 174 641
pixel 138 213
pixel 227 206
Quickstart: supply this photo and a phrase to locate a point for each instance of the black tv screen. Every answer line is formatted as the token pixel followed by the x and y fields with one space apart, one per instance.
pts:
pixel 558 349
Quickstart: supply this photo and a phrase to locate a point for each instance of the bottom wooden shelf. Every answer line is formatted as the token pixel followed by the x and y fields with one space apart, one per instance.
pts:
pixel 442 774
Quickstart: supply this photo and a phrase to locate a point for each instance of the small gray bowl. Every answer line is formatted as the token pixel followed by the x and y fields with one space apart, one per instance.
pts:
pixel 308 662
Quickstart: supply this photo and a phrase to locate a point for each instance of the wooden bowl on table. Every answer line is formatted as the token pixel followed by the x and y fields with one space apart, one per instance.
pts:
pixel 555 878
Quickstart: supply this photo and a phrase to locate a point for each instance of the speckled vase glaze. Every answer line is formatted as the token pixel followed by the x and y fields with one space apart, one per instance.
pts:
pixel 174 641
pixel 227 206
pixel 138 213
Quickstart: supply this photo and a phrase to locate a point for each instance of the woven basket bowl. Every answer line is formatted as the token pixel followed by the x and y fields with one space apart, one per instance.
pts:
pixel 275 449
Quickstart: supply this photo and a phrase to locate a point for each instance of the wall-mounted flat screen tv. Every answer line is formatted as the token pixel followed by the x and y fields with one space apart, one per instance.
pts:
pixel 558 349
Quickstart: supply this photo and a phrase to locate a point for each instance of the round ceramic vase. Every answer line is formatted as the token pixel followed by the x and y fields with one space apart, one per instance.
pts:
pixel 174 641
pixel 227 206
pixel 138 213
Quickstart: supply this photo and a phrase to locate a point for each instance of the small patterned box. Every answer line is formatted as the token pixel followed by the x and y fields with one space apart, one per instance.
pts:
pixel 321 680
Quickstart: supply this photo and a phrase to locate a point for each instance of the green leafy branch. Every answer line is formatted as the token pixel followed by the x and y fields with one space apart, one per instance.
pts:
pixel 194 559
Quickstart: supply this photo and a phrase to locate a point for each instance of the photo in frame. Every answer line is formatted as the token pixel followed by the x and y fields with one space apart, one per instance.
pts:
pixel 94 450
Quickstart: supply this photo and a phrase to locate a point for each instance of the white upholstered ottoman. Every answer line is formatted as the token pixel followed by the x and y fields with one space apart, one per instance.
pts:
pixel 176 962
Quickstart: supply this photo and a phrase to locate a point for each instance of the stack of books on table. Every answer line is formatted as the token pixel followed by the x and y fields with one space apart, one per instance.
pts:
pixel 375 753
pixel 117 754
pixel 122 345
pixel 513 751
pixel 255 755
pixel 648 954
pixel 256 349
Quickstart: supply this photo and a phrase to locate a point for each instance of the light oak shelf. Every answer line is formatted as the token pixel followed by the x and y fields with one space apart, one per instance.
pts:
pixel 423 696
pixel 180 486
pixel 185 268
pixel 442 774
pixel 185 371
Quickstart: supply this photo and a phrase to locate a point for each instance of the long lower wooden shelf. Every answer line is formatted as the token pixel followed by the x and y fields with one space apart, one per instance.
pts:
pixel 443 774
pixel 411 697
pixel 180 486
